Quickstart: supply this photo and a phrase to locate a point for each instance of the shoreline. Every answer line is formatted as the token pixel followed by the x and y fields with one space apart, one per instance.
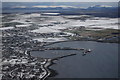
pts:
pixel 18 43
pixel 46 69
pixel 79 40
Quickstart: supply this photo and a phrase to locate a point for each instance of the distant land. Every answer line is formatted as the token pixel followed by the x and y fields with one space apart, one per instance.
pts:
pixel 107 9
pixel 45 41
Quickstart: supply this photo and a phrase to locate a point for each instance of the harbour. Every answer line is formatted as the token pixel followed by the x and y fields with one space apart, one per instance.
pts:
pixel 101 62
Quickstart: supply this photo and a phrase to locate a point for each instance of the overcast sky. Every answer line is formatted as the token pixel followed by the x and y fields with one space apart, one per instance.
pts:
pixel 59 0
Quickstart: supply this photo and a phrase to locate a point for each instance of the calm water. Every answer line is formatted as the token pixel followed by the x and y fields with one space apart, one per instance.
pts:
pixel 8 6
pixel 101 63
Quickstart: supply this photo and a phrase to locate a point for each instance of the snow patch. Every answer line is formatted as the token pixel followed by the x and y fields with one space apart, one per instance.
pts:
pixel 46 30
pixel 6 28
pixel 50 39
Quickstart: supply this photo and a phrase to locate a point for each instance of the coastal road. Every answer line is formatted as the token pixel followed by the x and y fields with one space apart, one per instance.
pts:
pixel 44 67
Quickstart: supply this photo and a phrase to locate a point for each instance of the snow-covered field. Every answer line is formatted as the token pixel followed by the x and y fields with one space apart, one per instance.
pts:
pixel 5 28
pixel 27 25
pixel 50 39
pixel 57 24
pixel 95 23
pixel 58 27
pixel 46 30
pixel 99 22
pixel 62 22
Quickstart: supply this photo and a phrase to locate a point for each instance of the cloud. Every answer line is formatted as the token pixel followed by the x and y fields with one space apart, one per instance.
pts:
pixel 54 6
pixel 19 7
pixel 60 0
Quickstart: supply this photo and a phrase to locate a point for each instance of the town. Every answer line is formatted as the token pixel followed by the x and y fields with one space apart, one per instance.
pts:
pixel 24 34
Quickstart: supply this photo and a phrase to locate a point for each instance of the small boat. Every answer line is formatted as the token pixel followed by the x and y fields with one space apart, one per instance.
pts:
pixel 89 50
pixel 84 53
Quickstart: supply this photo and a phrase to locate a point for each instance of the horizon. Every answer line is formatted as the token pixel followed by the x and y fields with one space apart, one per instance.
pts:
pixel 74 4
pixel 59 1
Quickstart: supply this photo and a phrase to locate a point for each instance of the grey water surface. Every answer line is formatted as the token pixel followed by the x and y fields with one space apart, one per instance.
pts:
pixel 102 62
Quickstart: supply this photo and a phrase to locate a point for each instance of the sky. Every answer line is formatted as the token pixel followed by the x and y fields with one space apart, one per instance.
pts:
pixel 59 0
